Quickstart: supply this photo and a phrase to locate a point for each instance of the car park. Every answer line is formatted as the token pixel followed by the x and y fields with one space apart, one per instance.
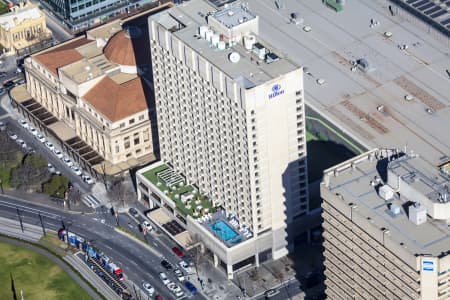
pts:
pixel 164 278
pixel 177 251
pixel 147 225
pixel 67 161
pixel 133 212
pixel 40 138
pixel 185 266
pixel 148 288
pixel 179 275
pixel 23 123
pixel 166 265
pixel 191 288
pixel 12 135
pixel 58 153
pixel 49 145
pixel 76 170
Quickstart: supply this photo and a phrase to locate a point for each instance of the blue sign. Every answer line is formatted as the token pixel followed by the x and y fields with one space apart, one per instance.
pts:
pixel 276 91
pixel 428 265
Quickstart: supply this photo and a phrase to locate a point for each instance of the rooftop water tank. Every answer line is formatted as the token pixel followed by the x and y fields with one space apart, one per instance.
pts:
pixel 208 35
pixel 215 40
pixel 221 45
pixel 202 31
pixel 234 57
pixel 395 209
pixel 249 41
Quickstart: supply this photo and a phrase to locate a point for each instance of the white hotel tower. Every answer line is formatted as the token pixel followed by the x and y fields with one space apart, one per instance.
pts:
pixel 231 119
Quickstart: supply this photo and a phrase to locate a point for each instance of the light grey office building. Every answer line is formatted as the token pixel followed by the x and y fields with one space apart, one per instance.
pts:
pixel 231 120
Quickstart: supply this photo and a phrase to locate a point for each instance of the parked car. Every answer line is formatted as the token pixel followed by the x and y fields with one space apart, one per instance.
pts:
pixel 148 288
pixel 40 138
pixel 159 297
pixel 179 294
pixel 147 225
pixel 2 91
pixel 33 130
pixel 9 84
pixel 164 278
pixel 179 275
pixel 171 286
pixel 20 142
pixel 185 266
pixel 67 161
pixel 166 265
pixel 23 123
pixel 270 293
pixel 49 145
pixel 3 74
pixel 191 288
pixel 177 251
pixel 58 153
pixel 134 212
pixel 2 126
pixel 12 135
pixel 76 170
pixel 87 179
pixel 51 168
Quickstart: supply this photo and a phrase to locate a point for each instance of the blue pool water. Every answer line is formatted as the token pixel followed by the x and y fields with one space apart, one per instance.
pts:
pixel 223 230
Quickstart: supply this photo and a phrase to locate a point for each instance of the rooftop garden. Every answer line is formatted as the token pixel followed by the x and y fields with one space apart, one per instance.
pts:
pixel 185 196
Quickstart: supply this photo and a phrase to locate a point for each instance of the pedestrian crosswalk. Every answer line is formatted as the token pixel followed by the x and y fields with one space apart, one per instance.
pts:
pixel 91 201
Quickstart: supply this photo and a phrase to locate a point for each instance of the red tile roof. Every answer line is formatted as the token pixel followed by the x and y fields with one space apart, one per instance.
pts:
pixel 117 101
pixel 61 55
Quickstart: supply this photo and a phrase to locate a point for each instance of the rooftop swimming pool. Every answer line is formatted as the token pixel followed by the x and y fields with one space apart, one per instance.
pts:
pixel 225 232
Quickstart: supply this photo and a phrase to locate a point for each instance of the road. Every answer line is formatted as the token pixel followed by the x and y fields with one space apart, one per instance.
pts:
pixel 138 263
pixel 60 33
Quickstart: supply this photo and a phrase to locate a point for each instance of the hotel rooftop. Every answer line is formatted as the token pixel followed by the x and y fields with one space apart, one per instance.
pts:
pixel 217 35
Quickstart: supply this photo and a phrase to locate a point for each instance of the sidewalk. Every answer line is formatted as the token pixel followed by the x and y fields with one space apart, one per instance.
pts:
pixel 272 274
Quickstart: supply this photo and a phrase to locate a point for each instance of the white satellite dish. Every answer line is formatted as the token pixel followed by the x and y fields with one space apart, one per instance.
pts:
pixel 234 57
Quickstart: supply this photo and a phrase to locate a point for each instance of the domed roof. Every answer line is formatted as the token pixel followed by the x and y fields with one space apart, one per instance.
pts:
pixel 121 47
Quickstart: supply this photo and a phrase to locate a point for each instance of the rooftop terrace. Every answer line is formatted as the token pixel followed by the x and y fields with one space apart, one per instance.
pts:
pixel 185 196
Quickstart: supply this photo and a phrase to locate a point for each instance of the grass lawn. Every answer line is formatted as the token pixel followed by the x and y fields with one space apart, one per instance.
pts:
pixel 310 137
pixel 37 276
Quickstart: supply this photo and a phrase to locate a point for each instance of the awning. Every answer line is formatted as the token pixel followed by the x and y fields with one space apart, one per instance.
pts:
pixel 62 131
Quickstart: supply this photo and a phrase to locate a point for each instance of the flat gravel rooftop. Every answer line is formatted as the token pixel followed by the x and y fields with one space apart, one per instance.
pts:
pixel 369 106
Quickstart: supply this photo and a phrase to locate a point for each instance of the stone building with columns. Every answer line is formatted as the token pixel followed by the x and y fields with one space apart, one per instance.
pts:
pixel 93 94
pixel 23 27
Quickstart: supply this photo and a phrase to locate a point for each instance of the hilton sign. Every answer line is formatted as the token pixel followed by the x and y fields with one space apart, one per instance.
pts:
pixel 276 91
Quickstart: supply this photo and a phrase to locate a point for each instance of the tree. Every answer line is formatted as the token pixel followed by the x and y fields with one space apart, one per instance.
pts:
pixel 9 151
pixel 31 173
pixel 120 193
pixel 56 186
